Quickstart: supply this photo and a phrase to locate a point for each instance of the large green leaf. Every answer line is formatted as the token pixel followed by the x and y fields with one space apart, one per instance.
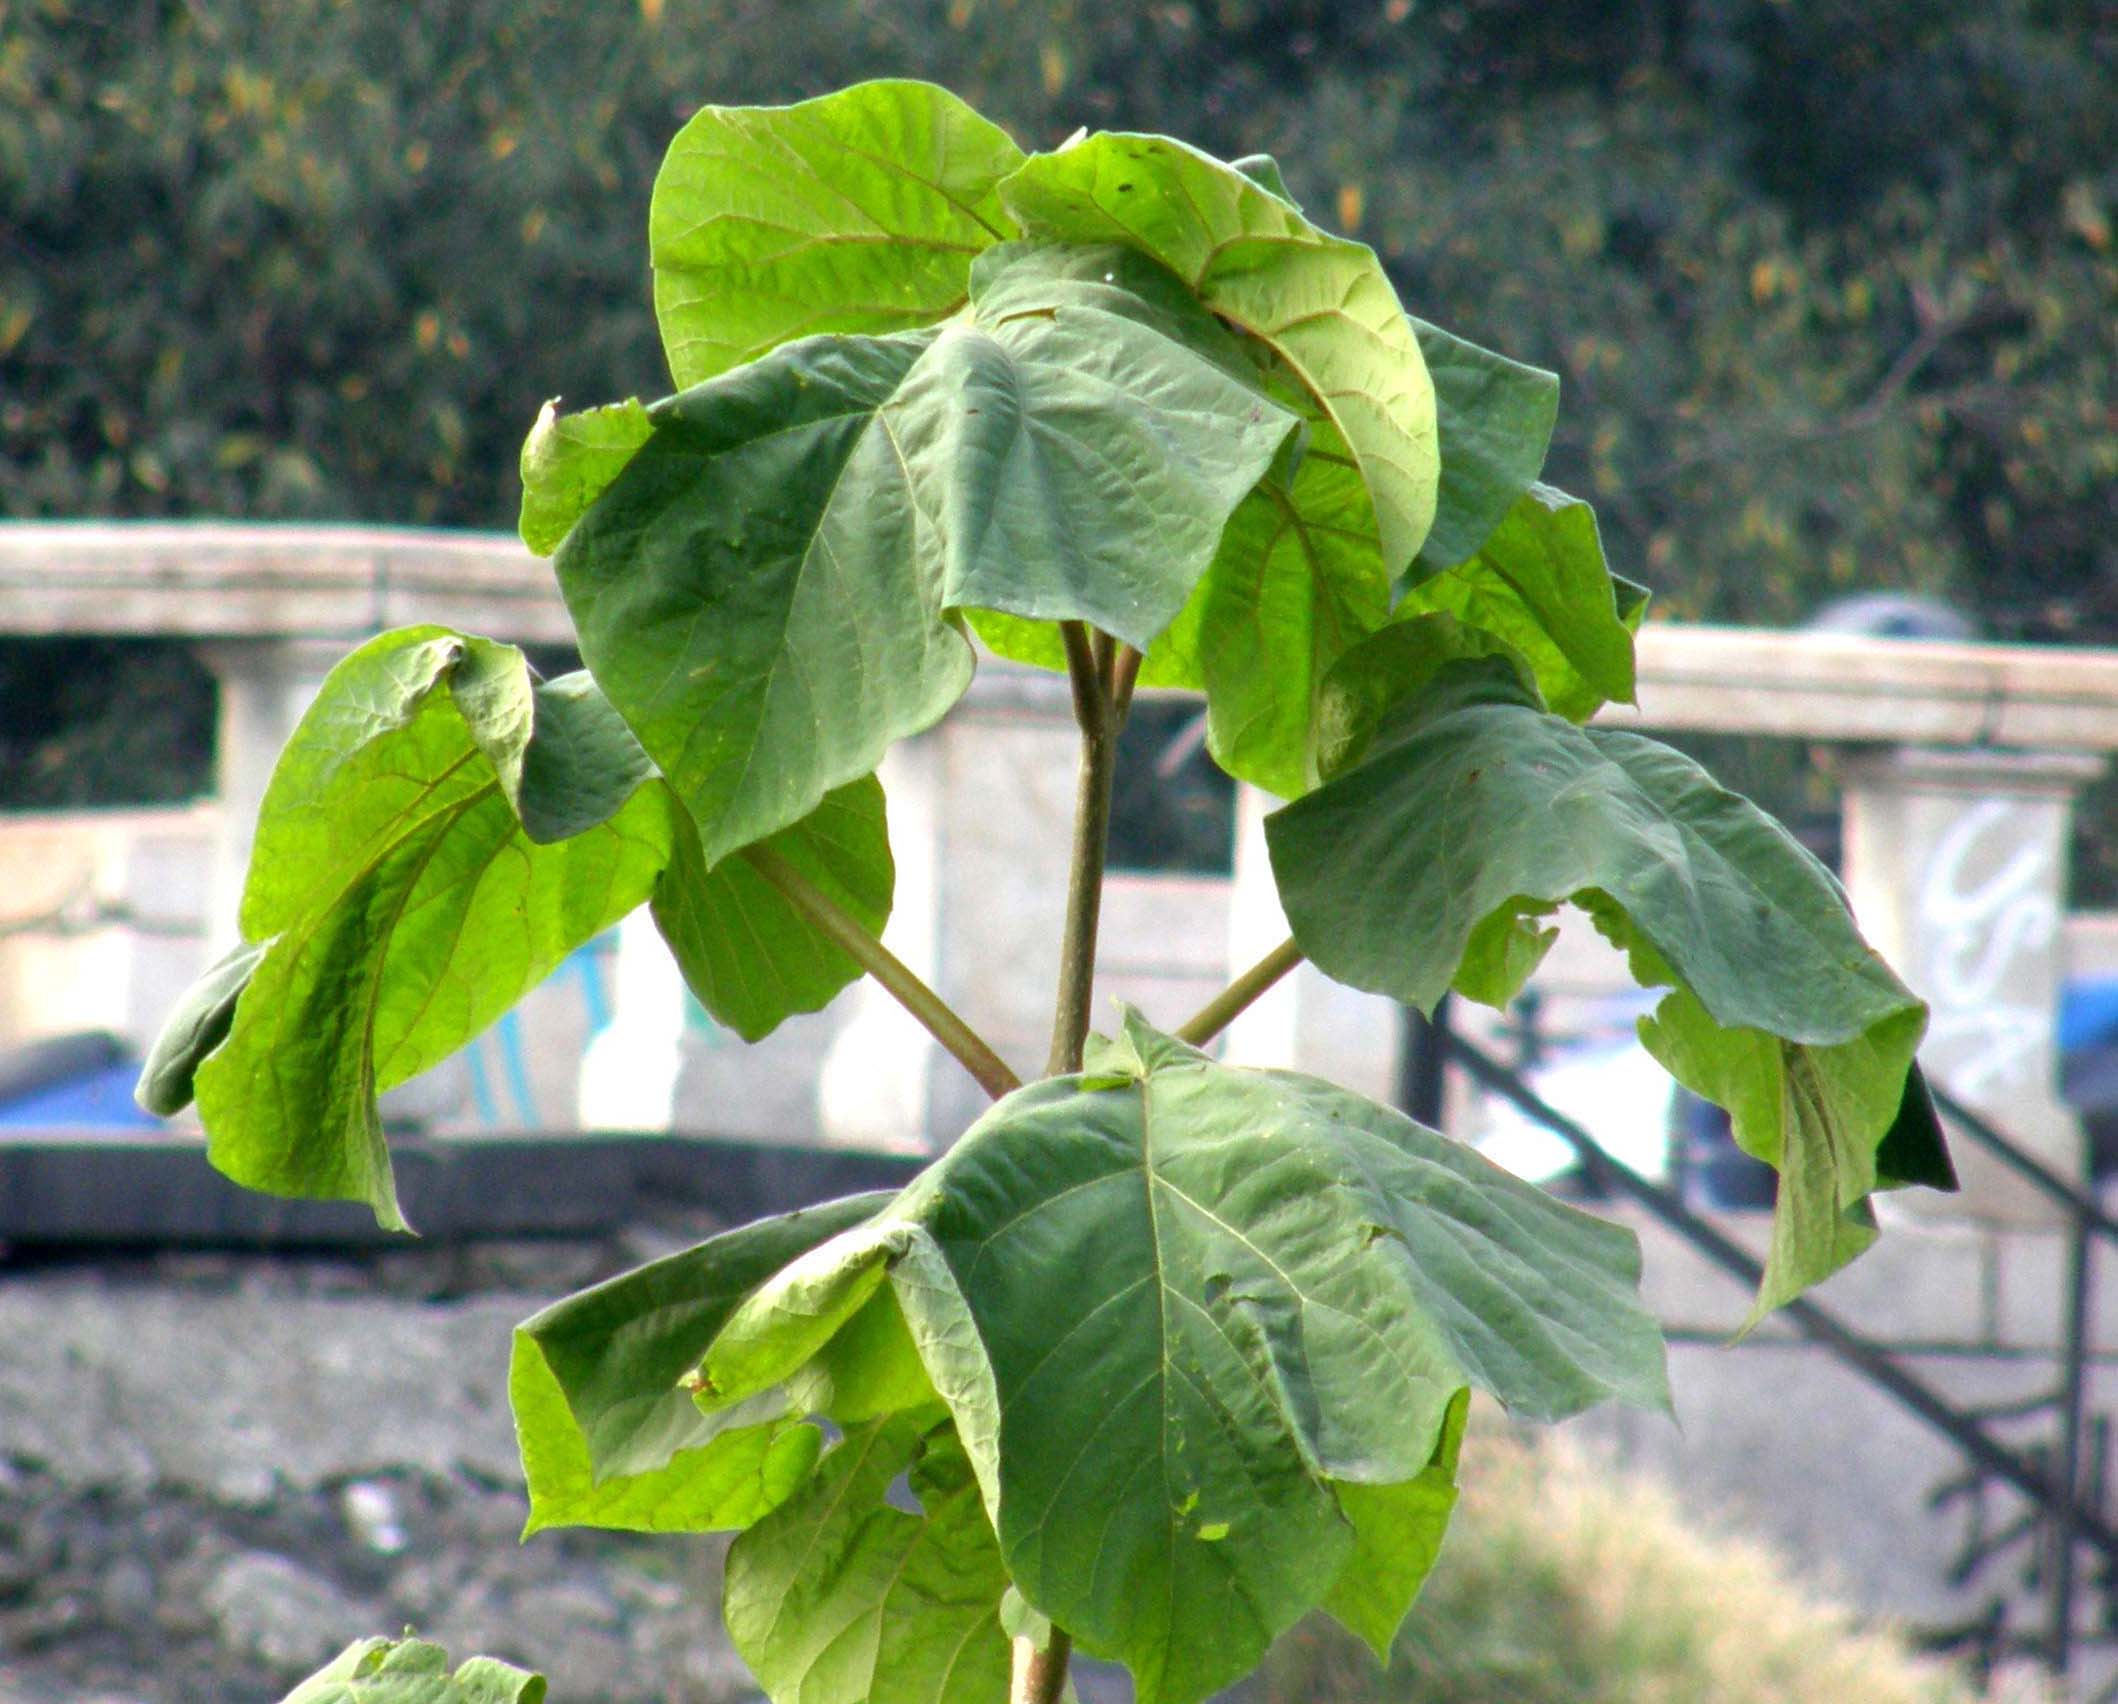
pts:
pixel 1496 418
pixel 412 1671
pixel 1321 305
pixel 403 901
pixel 765 589
pixel 749 593
pixel 1474 812
pixel 1274 1289
pixel 837 1597
pixel 747 953
pixel 859 211
pixel 1078 444
pixel 1539 582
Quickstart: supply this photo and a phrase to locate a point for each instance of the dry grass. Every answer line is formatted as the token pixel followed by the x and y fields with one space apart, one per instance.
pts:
pixel 1564 1582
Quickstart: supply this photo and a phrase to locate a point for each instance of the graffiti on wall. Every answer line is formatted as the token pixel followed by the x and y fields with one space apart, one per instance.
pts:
pixel 1988 921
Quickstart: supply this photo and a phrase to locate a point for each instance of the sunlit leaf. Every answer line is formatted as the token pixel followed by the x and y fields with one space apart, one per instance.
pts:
pixel 403 902
pixel 859 211
pixel 1322 305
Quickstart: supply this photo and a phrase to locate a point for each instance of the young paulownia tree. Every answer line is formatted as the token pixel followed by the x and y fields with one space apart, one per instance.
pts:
pixel 1169 1353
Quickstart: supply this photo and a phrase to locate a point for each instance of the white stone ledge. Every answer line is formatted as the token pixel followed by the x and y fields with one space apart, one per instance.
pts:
pixel 223 579
pixel 1836 686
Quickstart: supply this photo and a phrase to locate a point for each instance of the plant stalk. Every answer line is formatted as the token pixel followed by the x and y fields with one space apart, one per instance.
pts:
pixel 934 1013
pixel 1040 1672
pixel 1101 673
pixel 1090 661
pixel 1225 1007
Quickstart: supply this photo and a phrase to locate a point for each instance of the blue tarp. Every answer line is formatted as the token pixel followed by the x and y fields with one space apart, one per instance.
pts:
pixel 97 1100
pixel 2088 1015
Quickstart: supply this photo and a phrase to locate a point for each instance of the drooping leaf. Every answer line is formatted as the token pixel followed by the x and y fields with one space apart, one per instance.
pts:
pixel 1322 305
pixel 765 590
pixel 403 904
pixel 1816 1114
pixel 194 1028
pixel 837 1597
pixel 1539 583
pixel 1273 1288
pixel 615 1353
pixel 1473 813
pixel 859 211
pixel 1397 1532
pixel 1495 418
pixel 567 460
pixel 752 958
pixel 412 1671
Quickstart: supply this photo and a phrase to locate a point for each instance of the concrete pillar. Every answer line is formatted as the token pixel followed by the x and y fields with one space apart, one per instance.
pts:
pixel 630 1067
pixel 1955 861
pixel 1007 760
pixel 873 1089
pixel 265 686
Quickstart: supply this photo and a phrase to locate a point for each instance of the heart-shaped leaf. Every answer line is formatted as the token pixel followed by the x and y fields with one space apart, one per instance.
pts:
pixel 765 590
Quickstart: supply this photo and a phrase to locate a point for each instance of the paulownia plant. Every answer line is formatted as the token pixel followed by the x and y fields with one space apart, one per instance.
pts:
pixel 1161 1354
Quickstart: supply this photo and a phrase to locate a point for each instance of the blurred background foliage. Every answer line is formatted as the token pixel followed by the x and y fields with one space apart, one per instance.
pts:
pixel 1831 286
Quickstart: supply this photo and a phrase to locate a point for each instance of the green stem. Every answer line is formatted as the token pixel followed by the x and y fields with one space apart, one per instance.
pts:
pixel 1225 1007
pixel 1102 673
pixel 1124 677
pixel 935 1013
pixel 1089 666
pixel 1040 1672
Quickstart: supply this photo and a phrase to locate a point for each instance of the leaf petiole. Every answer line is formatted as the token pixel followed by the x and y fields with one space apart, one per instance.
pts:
pixel 939 1019
pixel 1092 668
pixel 1225 1007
